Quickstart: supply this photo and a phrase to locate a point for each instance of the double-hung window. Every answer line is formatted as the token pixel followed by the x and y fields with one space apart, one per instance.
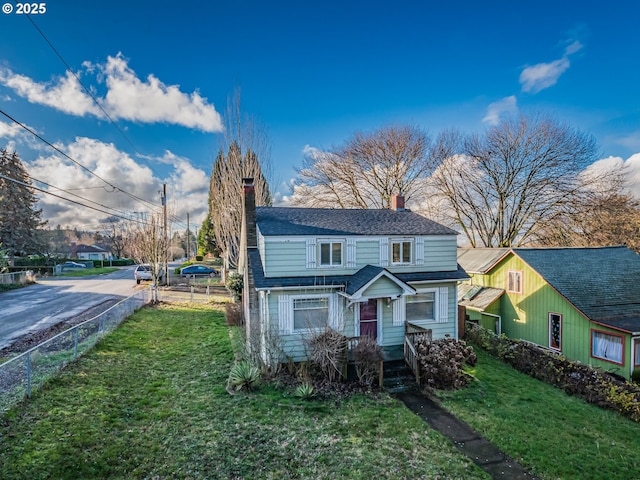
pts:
pixel 609 347
pixel 331 253
pixel 401 252
pixel 310 313
pixel 421 307
pixel 514 281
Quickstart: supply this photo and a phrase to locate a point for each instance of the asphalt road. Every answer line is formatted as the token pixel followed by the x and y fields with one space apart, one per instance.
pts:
pixel 53 300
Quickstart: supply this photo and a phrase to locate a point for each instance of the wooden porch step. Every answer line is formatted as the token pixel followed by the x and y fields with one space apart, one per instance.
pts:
pixel 398 377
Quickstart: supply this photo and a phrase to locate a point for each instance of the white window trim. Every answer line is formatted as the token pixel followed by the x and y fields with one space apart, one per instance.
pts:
pixel 435 306
pixel 412 244
pixel 331 241
pixel 285 313
pixel 521 274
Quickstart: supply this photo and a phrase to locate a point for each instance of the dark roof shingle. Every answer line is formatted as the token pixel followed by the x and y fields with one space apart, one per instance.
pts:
pixel 603 282
pixel 334 221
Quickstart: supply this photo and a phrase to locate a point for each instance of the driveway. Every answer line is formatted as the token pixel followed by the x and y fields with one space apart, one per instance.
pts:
pixel 53 300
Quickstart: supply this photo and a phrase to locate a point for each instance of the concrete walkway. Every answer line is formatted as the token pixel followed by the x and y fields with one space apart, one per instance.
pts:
pixel 468 441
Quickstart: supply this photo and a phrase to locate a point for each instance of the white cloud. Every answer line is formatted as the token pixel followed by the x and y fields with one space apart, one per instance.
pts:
pixel 10 130
pixel 152 101
pixel 119 169
pixel 631 166
pixel 500 109
pixel 64 94
pixel 544 75
pixel 127 97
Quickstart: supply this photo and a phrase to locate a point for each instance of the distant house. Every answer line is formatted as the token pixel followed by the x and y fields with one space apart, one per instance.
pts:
pixel 89 252
pixel 361 272
pixel 581 302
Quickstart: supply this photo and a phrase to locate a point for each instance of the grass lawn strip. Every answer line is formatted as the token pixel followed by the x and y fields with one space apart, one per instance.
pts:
pixel 86 272
pixel 150 402
pixel 550 433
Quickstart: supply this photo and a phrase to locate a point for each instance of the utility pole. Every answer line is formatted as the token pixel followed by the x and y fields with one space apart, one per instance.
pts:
pixel 188 238
pixel 166 235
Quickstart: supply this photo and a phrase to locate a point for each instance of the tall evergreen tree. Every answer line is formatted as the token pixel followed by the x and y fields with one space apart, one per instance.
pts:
pixel 19 218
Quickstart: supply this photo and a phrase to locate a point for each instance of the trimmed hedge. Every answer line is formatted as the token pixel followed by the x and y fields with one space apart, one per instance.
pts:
pixel 601 389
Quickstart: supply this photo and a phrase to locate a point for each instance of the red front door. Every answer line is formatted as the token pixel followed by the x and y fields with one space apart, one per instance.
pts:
pixel 369 318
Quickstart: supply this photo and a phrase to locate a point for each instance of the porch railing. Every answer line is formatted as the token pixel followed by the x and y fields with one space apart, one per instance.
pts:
pixel 413 333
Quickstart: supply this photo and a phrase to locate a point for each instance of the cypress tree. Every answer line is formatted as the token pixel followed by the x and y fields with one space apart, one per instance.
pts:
pixel 19 218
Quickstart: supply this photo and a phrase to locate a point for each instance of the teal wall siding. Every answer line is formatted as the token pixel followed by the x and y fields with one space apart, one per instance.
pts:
pixel 526 316
pixel 293 345
pixel 383 287
pixel 286 256
pixel 441 330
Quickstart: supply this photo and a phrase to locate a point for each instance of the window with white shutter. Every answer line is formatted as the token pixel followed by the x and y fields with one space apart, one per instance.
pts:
pixel 351 253
pixel 311 253
pixel 443 305
pixel 384 252
pixel 285 315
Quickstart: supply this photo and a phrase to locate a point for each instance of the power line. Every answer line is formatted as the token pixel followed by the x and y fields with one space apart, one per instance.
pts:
pixel 75 161
pixel 70 200
pixel 90 93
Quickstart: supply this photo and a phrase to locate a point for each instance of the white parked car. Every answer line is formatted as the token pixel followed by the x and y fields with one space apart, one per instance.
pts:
pixel 143 272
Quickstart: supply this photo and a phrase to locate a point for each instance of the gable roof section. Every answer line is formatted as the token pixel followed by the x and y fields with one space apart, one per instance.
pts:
pixel 480 260
pixel 367 276
pixel 335 221
pixel 602 282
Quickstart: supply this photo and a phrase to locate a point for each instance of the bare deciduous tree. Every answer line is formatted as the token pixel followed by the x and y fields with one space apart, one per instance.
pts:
pixel 503 185
pixel 115 230
pixel 367 170
pixel 247 155
pixel 601 219
pixel 150 245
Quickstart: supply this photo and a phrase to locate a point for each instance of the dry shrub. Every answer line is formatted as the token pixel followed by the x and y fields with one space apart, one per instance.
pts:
pixel 327 351
pixel 234 314
pixel 367 356
pixel 441 362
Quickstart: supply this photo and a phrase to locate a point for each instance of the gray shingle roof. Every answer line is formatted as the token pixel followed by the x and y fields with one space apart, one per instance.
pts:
pixel 482 299
pixel 480 260
pixel 604 282
pixel 334 221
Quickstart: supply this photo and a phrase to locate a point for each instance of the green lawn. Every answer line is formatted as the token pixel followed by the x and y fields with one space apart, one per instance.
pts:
pixel 150 402
pixel 85 272
pixel 552 434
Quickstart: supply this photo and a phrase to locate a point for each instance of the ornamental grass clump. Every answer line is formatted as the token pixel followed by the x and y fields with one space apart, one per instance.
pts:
pixel 243 376
pixel 441 362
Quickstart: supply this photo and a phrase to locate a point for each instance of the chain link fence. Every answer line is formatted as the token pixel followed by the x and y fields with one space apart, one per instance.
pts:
pixel 24 374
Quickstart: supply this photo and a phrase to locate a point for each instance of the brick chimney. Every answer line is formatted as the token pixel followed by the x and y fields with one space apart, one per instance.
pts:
pixel 248 226
pixel 249 211
pixel 397 202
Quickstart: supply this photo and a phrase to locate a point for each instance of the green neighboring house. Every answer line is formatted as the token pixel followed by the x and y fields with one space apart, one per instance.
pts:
pixel 361 272
pixel 581 302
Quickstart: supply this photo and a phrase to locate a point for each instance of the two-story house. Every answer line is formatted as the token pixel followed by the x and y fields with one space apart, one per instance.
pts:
pixel 583 303
pixel 361 272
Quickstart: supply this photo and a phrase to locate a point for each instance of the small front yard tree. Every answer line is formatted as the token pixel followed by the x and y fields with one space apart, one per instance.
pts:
pixel 150 244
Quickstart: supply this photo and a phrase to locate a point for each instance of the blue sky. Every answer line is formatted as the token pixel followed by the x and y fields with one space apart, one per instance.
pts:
pixel 312 72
